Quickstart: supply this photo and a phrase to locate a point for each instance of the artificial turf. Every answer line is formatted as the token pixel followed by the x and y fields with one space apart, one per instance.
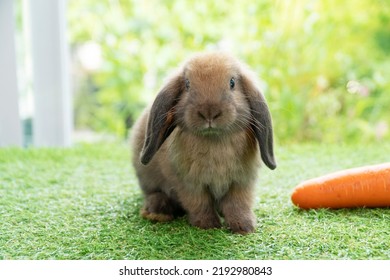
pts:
pixel 84 202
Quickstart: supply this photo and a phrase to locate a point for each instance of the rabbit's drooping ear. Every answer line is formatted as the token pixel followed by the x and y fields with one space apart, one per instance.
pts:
pixel 262 123
pixel 161 121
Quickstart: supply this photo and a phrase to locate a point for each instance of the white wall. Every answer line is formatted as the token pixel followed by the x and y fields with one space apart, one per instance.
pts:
pixel 53 118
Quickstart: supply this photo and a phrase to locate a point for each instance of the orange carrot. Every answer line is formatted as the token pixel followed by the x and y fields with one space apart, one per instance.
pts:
pixel 367 186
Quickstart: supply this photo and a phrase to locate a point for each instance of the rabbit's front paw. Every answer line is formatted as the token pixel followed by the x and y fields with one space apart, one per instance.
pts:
pixel 205 221
pixel 241 225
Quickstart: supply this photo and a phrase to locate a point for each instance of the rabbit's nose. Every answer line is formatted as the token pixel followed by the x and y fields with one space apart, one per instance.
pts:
pixel 209 114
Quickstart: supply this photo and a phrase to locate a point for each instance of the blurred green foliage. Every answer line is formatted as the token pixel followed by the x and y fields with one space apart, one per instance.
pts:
pixel 324 65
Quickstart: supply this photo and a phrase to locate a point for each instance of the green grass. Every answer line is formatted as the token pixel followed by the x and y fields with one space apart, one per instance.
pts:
pixel 83 203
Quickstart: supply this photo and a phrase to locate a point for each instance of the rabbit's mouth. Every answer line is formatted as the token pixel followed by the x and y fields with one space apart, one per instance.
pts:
pixel 210 132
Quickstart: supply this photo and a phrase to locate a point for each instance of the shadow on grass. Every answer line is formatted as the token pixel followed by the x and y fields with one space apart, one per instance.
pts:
pixel 138 238
pixel 344 213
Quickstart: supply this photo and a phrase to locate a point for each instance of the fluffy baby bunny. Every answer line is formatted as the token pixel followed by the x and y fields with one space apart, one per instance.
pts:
pixel 197 148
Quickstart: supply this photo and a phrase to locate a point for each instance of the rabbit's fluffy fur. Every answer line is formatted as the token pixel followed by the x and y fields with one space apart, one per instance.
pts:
pixel 197 149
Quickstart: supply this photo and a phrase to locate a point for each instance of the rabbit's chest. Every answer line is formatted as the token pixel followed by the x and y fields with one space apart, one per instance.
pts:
pixel 215 164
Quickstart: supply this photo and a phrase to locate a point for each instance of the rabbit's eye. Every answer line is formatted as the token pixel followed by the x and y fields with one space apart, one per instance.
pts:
pixel 187 84
pixel 232 83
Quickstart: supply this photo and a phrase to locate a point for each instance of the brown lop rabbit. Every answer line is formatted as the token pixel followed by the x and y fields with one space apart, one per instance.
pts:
pixel 197 149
